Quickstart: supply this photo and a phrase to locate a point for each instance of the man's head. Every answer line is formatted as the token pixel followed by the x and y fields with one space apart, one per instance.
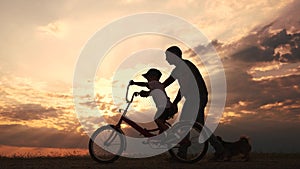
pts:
pixel 173 55
pixel 175 50
pixel 152 74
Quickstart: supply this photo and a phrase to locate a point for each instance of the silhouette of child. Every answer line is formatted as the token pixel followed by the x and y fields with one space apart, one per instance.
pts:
pixel 165 109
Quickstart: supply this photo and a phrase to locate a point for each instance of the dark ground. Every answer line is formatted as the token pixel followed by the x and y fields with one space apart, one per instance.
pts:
pixel 257 161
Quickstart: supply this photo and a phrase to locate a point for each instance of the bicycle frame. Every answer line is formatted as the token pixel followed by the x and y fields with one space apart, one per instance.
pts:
pixel 171 142
pixel 131 123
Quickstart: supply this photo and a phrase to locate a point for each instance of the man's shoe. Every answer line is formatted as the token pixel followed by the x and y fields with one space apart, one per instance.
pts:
pixel 182 155
pixel 182 151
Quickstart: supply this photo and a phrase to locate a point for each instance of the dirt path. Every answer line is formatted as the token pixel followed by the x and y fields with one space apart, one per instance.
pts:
pixel 257 161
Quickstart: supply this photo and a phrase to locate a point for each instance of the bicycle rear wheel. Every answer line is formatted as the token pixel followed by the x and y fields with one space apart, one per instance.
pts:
pixel 106 144
pixel 195 150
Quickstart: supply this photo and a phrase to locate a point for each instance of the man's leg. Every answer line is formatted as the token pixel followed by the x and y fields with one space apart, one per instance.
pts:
pixel 201 111
pixel 219 149
pixel 185 143
pixel 186 115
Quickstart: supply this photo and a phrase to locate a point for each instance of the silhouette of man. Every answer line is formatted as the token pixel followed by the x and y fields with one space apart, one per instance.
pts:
pixel 189 77
pixel 185 79
pixel 192 88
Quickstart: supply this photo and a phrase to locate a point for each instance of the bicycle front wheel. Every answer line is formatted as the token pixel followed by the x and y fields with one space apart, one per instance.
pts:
pixel 190 149
pixel 106 144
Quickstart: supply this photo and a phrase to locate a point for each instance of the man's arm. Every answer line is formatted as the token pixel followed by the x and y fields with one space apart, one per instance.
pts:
pixel 168 81
pixel 178 98
pixel 175 103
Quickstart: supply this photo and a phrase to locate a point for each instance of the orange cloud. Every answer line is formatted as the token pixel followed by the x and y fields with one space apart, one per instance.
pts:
pixel 273 70
pixel 227 117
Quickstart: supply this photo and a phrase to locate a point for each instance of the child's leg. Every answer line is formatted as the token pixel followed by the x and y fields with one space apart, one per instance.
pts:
pixel 161 125
pixel 161 119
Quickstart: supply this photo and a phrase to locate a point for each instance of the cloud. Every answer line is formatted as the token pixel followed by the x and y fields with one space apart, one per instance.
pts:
pixel 257 71
pixel 205 49
pixel 277 40
pixel 28 112
pixel 35 104
pixel 288 19
pixel 272 70
pixel 233 20
pixel 282 47
pixel 242 87
pixel 56 28
pixel 24 136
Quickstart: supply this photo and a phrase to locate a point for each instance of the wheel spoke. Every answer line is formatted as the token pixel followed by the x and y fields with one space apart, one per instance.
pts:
pixel 189 149
pixel 106 144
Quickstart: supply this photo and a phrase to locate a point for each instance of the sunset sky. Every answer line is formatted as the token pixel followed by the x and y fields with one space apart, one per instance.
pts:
pixel 258 42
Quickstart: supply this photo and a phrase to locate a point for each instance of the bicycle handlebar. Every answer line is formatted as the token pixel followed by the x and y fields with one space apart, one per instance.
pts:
pixel 133 95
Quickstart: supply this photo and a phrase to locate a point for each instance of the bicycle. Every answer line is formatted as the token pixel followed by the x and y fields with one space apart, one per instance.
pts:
pixel 108 142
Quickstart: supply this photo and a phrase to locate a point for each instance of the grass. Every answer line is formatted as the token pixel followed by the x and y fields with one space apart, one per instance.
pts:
pixel 257 160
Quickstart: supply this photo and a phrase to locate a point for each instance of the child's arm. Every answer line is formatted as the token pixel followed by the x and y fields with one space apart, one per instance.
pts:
pixel 142 84
pixel 144 93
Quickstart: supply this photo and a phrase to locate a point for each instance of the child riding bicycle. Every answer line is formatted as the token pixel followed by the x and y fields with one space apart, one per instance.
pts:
pixel 165 109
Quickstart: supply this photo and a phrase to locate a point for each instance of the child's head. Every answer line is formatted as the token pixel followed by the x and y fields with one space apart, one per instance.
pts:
pixel 152 74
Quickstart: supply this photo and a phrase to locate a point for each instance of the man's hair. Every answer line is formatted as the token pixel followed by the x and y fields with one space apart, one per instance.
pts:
pixel 175 50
